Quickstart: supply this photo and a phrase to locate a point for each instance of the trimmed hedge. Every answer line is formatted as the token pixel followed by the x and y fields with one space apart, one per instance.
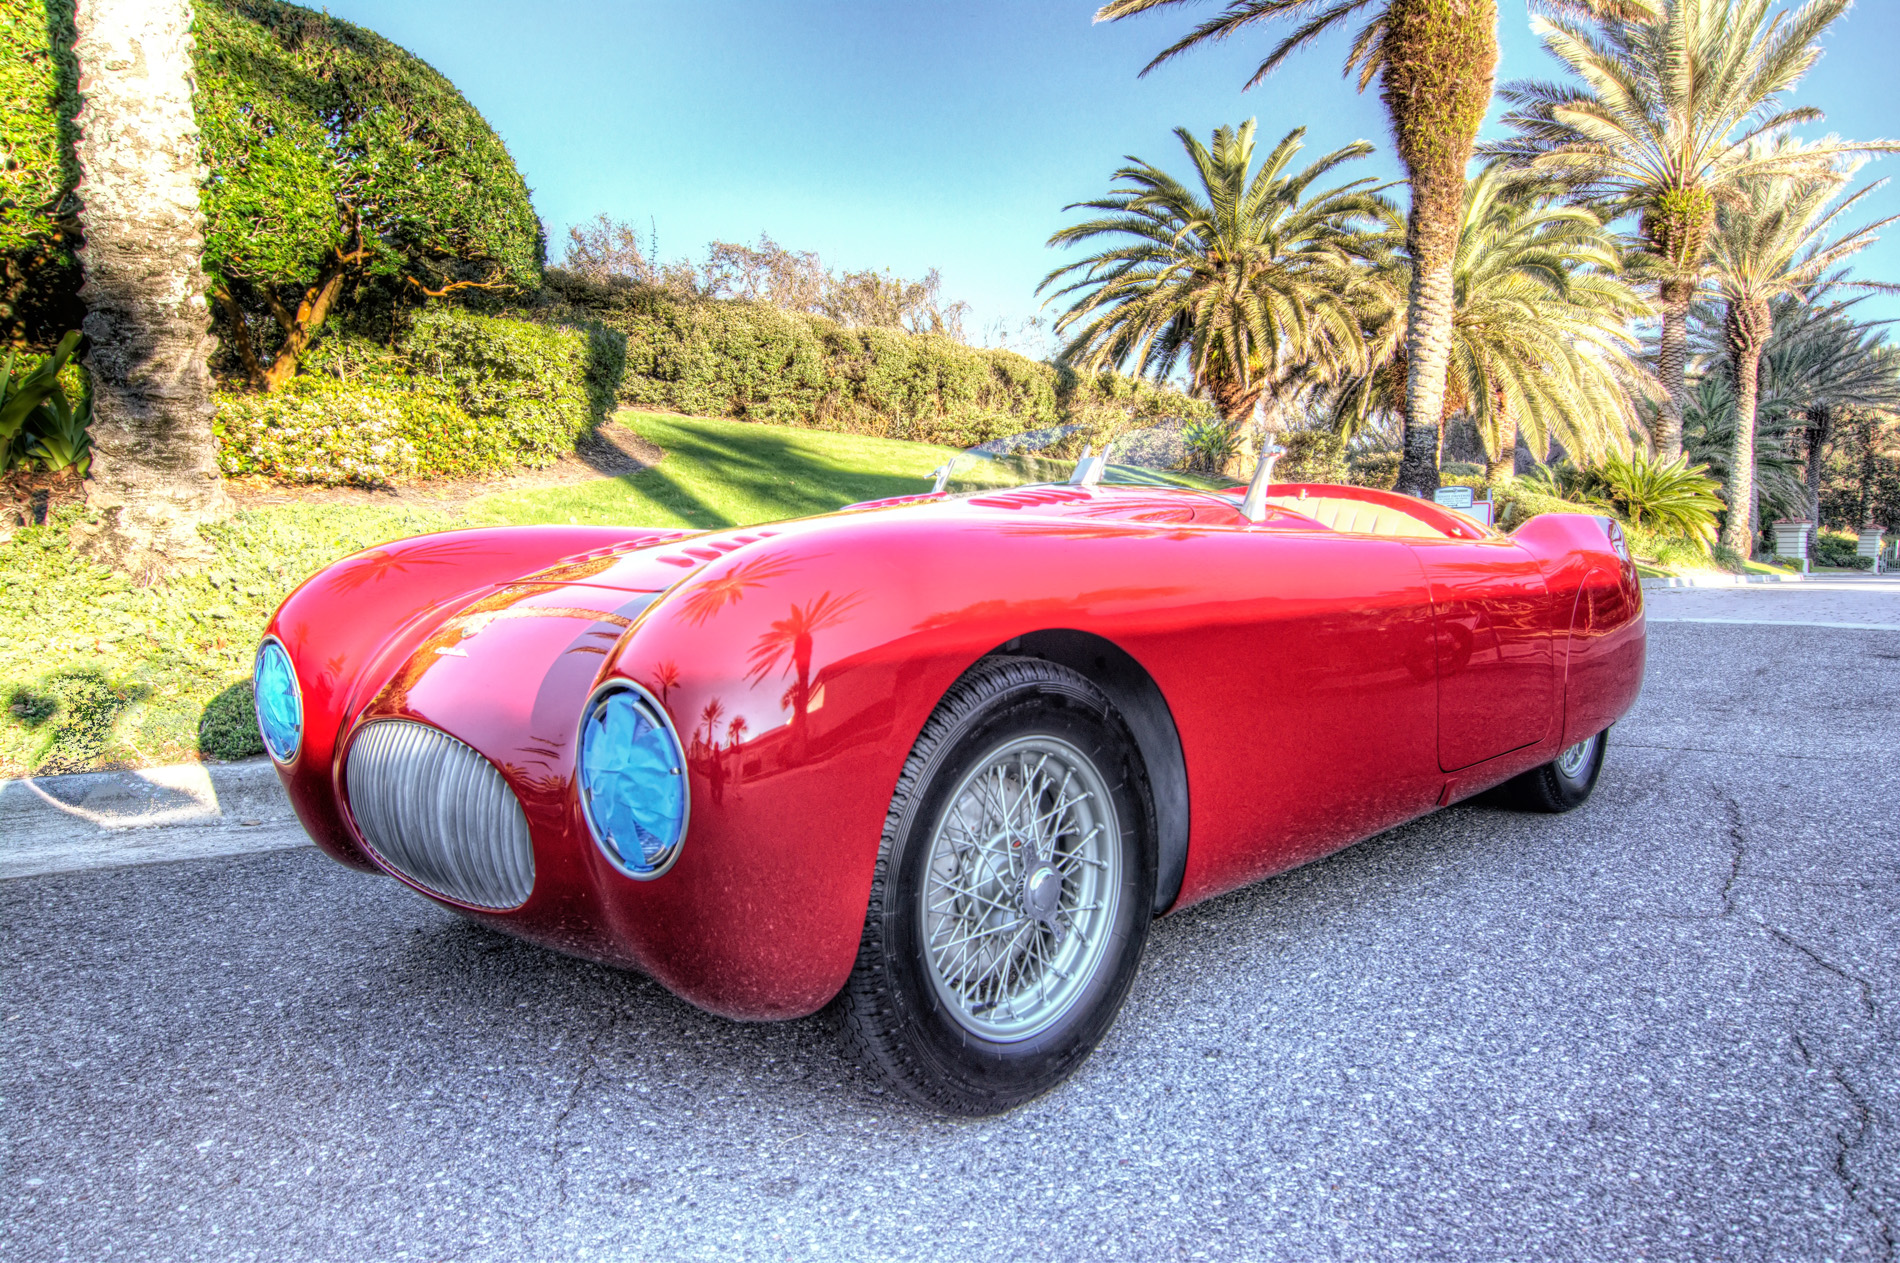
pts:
pixel 710 357
pixel 467 394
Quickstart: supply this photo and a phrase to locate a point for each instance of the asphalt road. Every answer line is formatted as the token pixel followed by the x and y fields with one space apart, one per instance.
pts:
pixel 1660 1027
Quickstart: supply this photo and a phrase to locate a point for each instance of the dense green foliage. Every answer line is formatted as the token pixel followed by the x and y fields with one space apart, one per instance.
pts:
pixel 95 671
pixel 761 363
pixel 466 394
pixel 1244 274
pixel 322 137
pixel 39 276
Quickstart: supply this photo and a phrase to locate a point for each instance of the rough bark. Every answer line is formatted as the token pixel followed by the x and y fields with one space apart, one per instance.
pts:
pixel 1672 359
pixel 1503 461
pixel 1748 326
pixel 301 329
pixel 1439 59
pixel 1428 355
pixel 1867 434
pixel 1820 430
pixel 154 476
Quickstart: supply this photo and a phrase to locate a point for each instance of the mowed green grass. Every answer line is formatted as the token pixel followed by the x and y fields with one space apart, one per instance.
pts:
pixel 727 473
pixel 95 672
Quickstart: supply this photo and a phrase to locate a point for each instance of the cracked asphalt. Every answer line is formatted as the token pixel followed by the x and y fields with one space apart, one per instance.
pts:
pixel 1660 1027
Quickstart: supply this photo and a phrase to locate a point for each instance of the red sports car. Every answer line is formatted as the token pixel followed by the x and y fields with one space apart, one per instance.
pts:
pixel 938 761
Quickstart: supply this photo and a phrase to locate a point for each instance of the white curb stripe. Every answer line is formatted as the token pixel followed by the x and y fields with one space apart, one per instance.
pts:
pixel 1777 622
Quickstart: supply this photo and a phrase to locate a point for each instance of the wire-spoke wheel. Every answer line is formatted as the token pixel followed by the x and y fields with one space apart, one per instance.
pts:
pixel 1012 892
pixel 1018 898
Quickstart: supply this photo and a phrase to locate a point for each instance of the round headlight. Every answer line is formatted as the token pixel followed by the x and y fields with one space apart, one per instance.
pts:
pixel 279 701
pixel 632 782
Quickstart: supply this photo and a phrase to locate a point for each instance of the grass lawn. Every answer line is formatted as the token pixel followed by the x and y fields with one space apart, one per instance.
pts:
pixel 98 673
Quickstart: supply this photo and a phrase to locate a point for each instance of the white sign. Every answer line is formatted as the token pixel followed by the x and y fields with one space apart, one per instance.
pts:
pixel 1453 497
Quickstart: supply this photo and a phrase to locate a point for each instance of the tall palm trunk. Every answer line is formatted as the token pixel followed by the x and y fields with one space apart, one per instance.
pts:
pixel 154 475
pixel 1672 358
pixel 1747 328
pixel 1820 430
pixel 1439 60
pixel 1503 462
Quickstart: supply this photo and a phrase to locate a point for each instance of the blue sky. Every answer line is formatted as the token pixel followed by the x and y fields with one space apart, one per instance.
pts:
pixel 905 135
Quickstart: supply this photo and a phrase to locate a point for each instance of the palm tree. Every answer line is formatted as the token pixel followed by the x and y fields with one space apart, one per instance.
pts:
pixel 1662 124
pixel 1244 276
pixel 1540 335
pixel 154 475
pixel 1772 240
pixel 1434 60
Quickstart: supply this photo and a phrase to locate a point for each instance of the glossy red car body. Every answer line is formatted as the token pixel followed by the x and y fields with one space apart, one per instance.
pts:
pixel 1292 689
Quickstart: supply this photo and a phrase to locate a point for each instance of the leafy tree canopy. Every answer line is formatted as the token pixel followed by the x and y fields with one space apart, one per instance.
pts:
pixel 339 160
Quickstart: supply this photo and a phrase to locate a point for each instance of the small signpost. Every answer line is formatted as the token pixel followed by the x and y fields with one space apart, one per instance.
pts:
pixel 1463 500
pixel 1871 538
pixel 1791 541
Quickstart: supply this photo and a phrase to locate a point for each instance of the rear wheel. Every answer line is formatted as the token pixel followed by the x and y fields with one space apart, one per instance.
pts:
pixel 1564 782
pixel 1012 893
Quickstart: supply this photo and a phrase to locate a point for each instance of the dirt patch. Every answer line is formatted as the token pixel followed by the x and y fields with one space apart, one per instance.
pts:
pixel 611 451
pixel 26 498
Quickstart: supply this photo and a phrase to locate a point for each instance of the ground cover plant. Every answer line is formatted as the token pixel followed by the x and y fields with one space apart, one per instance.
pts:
pixel 97 672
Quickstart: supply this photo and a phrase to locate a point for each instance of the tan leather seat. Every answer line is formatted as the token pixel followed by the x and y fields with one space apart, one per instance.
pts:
pixel 1357 517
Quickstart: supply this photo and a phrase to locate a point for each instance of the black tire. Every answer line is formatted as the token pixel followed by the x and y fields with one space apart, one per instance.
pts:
pixel 908 1024
pixel 1554 789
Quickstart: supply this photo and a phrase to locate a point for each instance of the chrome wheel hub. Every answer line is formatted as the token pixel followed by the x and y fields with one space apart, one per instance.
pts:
pixel 1019 897
pixel 1572 761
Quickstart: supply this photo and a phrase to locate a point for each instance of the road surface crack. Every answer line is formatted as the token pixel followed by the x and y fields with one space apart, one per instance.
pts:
pixel 1738 846
pixel 1849 1138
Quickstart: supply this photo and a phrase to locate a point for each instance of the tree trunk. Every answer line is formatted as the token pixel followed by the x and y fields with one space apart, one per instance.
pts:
pixel 1820 430
pixel 1868 431
pixel 1503 462
pixel 1748 326
pixel 154 474
pixel 1440 56
pixel 1672 360
pixel 300 330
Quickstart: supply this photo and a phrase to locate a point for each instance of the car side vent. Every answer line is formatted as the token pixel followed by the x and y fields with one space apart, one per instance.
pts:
pixel 439 814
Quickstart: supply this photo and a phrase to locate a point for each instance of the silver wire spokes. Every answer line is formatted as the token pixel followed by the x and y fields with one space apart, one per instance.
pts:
pixel 1019 897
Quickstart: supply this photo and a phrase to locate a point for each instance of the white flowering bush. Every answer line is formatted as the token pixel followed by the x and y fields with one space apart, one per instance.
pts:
pixel 316 431
pixel 320 430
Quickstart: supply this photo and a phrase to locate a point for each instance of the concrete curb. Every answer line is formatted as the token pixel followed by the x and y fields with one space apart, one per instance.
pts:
pixel 60 824
pixel 1717 580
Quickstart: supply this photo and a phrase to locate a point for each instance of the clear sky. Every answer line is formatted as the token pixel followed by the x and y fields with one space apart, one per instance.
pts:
pixel 905 135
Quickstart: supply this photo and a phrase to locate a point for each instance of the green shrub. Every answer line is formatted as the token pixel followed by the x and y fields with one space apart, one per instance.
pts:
pixel 39 95
pixel 753 361
pixel 1374 469
pixel 1834 548
pixel 315 430
pixel 1210 444
pixel 465 394
pixel 542 385
pixel 1668 496
pixel 337 157
pixel 1313 456
pixel 228 727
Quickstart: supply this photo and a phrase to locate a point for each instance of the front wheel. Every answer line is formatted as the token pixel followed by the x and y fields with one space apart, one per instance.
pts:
pixel 1012 893
pixel 1565 781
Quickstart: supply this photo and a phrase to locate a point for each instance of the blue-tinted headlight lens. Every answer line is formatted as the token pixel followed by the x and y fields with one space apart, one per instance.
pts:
pixel 279 701
pixel 633 783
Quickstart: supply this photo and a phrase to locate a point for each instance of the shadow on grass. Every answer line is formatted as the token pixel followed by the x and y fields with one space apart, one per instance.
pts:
pixel 780 474
pixel 228 727
pixel 77 714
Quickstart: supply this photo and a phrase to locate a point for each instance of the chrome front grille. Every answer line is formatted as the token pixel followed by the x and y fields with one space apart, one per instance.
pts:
pixel 440 814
